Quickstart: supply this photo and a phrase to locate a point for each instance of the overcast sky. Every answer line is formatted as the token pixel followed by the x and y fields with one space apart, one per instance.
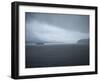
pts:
pixel 44 27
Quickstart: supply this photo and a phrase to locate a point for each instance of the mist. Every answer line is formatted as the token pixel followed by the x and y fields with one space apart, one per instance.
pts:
pixel 56 28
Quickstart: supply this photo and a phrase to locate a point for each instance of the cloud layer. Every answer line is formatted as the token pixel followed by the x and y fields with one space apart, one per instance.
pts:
pixel 40 29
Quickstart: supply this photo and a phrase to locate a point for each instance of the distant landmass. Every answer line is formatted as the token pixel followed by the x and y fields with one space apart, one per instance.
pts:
pixel 83 41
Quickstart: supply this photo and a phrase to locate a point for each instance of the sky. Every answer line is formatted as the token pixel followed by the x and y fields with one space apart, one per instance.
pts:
pixel 55 28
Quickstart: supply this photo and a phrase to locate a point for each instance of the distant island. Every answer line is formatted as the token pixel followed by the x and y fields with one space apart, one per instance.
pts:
pixel 83 41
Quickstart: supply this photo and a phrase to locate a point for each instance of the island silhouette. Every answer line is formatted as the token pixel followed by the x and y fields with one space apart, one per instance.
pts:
pixel 83 41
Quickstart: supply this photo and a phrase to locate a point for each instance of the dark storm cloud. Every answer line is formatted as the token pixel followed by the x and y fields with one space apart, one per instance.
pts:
pixel 44 27
pixel 69 21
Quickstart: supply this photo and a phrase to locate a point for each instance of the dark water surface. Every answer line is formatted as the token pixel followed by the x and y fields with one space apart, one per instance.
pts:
pixel 56 55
